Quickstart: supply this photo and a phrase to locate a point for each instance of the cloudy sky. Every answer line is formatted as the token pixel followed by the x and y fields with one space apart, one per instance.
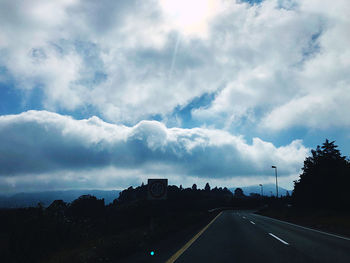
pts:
pixel 105 94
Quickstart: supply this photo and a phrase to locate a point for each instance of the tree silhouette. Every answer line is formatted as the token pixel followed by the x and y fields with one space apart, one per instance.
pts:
pixel 325 178
pixel 57 208
pixel 207 187
pixel 239 193
pixel 87 206
pixel 194 187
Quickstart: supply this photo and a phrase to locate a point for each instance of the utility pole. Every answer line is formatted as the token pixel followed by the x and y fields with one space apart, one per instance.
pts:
pixel 276 179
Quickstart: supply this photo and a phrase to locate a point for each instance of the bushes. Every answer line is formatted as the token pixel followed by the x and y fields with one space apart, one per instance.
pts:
pixel 86 206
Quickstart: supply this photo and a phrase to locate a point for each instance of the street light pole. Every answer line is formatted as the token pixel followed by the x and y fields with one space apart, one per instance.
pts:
pixel 276 179
pixel 262 191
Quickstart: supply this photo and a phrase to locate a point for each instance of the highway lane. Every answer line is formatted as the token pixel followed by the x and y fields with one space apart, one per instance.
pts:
pixel 238 236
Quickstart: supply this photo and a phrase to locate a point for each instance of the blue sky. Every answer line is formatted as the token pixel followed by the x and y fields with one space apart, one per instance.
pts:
pixel 106 94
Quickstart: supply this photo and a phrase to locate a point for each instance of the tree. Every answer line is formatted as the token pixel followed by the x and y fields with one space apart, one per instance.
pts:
pixel 87 206
pixel 325 178
pixel 127 195
pixel 57 208
pixel 239 193
pixel 194 187
pixel 207 187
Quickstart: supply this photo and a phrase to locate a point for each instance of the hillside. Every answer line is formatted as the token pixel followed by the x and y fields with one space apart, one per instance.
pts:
pixel 46 198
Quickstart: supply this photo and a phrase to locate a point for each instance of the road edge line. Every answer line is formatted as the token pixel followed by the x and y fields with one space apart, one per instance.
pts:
pixel 190 242
pixel 307 228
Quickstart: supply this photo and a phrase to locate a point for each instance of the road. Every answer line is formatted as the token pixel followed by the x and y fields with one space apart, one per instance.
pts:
pixel 237 236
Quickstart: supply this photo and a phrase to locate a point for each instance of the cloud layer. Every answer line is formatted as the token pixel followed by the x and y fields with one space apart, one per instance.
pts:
pixel 226 70
pixel 41 143
pixel 130 61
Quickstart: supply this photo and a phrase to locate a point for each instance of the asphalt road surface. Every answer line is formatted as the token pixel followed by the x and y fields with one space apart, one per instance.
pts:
pixel 237 236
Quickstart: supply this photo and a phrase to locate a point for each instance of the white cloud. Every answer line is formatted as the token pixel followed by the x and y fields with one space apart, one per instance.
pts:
pixel 320 111
pixel 41 144
pixel 118 57
pixel 283 60
pixel 323 82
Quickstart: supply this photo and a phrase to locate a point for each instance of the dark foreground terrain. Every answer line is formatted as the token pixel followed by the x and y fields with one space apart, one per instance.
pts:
pixel 88 231
pixel 175 229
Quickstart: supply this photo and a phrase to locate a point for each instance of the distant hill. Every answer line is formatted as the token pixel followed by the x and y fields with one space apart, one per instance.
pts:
pixel 269 189
pixel 32 199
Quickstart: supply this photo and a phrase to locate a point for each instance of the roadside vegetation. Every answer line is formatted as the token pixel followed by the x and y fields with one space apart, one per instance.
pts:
pixel 88 231
pixel 321 196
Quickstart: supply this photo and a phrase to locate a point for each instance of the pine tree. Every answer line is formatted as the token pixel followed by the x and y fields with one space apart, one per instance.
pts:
pixel 325 178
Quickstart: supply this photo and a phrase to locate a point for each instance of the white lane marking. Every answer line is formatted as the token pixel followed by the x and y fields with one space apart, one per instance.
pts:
pixel 252 222
pixel 284 242
pixel 306 228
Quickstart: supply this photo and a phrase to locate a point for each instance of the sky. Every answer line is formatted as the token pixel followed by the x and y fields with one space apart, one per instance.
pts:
pixel 105 94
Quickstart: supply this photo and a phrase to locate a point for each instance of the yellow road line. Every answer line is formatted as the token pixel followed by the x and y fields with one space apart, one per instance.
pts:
pixel 189 243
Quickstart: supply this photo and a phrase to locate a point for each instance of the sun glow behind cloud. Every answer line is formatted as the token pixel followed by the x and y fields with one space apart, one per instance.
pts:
pixel 191 17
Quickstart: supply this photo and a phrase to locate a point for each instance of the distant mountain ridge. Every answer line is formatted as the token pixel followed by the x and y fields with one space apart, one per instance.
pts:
pixel 268 190
pixel 47 197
